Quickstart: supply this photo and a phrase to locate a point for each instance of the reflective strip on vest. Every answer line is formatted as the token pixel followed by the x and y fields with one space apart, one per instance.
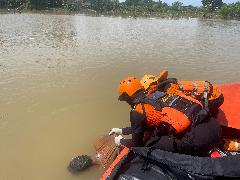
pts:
pixel 205 95
pixel 173 100
pixel 180 87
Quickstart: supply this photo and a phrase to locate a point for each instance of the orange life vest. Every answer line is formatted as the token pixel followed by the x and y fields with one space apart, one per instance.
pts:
pixel 195 89
pixel 178 111
pixel 209 95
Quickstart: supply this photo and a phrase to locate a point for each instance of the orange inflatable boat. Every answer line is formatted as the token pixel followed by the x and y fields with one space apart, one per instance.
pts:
pixel 228 116
pixel 229 113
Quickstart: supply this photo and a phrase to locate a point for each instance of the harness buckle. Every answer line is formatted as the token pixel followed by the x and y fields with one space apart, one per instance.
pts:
pixel 180 87
pixel 194 91
pixel 205 95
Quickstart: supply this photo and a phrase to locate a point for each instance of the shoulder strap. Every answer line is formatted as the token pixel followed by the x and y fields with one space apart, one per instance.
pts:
pixel 143 109
pixel 211 88
pixel 180 85
pixel 155 99
pixel 164 85
pixel 194 91
pixel 206 94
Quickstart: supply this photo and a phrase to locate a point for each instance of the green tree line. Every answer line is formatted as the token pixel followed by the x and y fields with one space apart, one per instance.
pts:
pixel 131 7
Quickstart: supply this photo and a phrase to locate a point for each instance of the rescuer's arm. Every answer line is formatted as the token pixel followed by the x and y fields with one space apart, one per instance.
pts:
pixel 127 130
pixel 119 131
pixel 137 128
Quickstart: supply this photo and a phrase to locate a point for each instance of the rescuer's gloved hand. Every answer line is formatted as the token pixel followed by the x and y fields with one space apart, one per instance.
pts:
pixel 117 140
pixel 116 131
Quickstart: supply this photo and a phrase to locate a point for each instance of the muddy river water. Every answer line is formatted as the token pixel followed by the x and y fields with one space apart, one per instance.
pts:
pixel 59 75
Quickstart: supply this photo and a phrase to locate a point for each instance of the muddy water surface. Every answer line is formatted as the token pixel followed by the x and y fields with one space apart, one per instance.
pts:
pixel 59 75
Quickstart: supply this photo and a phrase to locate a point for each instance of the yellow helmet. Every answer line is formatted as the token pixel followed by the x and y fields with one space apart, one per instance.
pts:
pixel 147 80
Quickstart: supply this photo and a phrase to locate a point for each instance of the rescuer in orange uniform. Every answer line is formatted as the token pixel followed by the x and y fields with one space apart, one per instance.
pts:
pixel 180 121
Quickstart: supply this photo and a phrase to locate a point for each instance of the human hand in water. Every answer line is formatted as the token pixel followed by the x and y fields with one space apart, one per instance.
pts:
pixel 116 131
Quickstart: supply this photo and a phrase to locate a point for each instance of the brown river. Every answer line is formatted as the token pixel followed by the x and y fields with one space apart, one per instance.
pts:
pixel 59 77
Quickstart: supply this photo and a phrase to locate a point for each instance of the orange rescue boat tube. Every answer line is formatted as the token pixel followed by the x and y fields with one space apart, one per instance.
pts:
pixel 122 154
pixel 229 112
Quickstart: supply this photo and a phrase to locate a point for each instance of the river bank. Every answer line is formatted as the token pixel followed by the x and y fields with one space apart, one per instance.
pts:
pixel 120 13
pixel 139 11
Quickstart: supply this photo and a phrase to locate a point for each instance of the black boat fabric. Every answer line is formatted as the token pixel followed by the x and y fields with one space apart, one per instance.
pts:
pixel 146 163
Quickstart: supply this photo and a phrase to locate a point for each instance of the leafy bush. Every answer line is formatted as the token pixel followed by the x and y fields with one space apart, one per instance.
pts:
pixel 230 10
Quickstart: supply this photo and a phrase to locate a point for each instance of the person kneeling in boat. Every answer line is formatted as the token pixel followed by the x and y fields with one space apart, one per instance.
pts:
pixel 180 121
pixel 205 92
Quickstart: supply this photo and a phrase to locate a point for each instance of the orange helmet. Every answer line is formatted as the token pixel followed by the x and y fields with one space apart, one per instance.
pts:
pixel 129 86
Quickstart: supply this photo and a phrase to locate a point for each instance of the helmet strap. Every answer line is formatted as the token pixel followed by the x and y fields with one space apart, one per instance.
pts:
pixel 138 97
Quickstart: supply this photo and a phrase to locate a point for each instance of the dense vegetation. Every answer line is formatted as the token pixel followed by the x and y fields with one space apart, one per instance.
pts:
pixel 210 8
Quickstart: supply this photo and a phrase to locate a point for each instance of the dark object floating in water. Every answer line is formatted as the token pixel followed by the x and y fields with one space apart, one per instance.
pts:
pixel 79 163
